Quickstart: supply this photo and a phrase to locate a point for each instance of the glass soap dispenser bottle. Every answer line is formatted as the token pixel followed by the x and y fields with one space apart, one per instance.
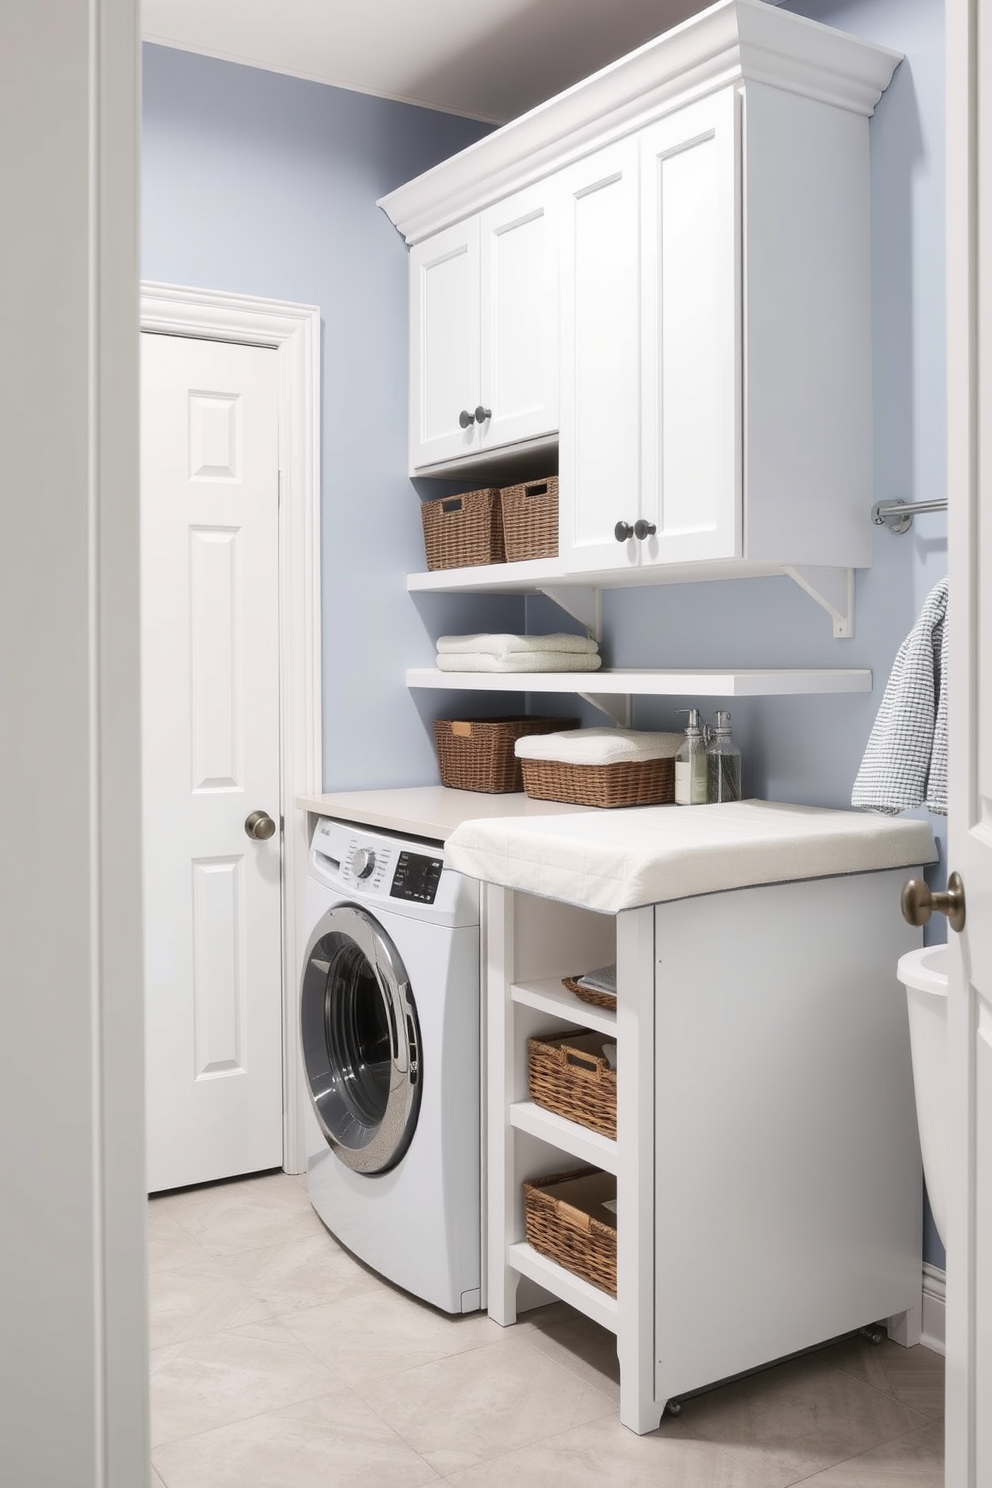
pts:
pixel 690 764
pixel 723 763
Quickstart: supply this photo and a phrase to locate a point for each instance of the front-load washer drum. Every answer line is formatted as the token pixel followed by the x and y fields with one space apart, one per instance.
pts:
pixel 361 1040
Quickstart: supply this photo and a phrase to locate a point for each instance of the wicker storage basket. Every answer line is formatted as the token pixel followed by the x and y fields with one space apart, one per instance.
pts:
pixel 477 753
pixel 572 1077
pixel 530 519
pixel 626 783
pixel 565 1218
pixel 590 994
pixel 461 531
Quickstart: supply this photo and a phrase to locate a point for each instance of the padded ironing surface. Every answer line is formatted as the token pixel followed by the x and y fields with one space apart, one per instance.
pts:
pixel 619 859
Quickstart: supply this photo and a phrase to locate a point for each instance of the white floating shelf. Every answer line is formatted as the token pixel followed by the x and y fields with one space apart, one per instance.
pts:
pixel 549 996
pixel 646 681
pixel 596 1304
pixel 536 574
pixel 578 1141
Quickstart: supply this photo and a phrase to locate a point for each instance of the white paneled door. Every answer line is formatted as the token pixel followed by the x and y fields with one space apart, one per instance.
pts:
pixel 210 722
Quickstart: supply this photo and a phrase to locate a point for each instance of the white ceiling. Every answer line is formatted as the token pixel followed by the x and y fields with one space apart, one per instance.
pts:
pixel 487 59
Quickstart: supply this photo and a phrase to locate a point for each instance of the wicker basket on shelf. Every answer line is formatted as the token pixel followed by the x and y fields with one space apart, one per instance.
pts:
pixel 463 531
pixel 590 994
pixel 571 1076
pixel 625 783
pixel 476 754
pixel 530 519
pixel 566 1219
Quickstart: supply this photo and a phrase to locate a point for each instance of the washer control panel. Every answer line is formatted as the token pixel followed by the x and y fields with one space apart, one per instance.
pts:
pixel 384 871
pixel 417 877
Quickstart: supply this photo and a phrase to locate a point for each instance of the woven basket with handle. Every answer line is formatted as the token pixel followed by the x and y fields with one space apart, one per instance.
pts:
pixel 572 1077
pixel 462 531
pixel 558 1223
pixel 477 753
pixel 530 519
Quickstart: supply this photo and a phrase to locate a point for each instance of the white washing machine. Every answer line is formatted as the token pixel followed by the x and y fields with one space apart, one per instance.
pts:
pixel 389 1013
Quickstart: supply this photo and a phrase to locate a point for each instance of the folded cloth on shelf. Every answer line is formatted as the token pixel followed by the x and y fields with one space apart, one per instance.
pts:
pixel 905 761
pixel 507 645
pixel 599 746
pixel 520 661
pixel 603 979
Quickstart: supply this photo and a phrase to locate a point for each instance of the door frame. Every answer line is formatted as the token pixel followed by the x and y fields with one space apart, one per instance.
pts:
pixel 294 332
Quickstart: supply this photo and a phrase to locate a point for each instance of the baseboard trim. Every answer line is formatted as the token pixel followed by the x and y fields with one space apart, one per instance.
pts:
pixel 934 1307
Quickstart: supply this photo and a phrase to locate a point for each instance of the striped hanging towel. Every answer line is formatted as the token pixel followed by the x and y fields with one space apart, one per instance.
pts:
pixel 905 761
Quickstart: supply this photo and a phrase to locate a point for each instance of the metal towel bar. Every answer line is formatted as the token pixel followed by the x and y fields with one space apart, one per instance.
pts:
pixel 898 515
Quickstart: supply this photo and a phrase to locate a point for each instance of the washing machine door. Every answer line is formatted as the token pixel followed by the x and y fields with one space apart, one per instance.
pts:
pixel 361 1040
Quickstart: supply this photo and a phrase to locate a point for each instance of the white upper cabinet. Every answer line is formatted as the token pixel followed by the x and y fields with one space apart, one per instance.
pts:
pixel 698 214
pixel 484 333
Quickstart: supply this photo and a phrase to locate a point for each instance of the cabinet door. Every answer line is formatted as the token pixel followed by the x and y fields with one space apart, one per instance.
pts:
pixel 444 345
pixel 519 330
pixel 598 484
pixel 691 420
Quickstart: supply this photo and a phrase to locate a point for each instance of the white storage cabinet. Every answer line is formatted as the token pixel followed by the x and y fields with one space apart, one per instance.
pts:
pixel 707 199
pixel 767 1162
pixel 484 333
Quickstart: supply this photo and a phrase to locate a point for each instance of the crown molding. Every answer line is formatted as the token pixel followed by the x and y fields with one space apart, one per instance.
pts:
pixel 735 41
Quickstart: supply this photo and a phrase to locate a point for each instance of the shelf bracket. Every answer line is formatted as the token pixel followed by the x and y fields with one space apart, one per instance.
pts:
pixel 584 605
pixel 615 705
pixel 833 591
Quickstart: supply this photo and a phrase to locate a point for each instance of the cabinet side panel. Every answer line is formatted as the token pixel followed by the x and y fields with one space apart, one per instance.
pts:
pixel 807 320
pixel 788 1184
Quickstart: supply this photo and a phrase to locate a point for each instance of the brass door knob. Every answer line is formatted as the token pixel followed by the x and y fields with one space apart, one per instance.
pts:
pixel 919 902
pixel 260 826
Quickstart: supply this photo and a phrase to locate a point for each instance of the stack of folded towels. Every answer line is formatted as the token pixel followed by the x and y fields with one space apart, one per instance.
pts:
pixel 599 746
pixel 517 653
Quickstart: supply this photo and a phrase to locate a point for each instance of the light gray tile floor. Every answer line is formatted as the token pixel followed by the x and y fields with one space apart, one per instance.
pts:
pixel 280 1362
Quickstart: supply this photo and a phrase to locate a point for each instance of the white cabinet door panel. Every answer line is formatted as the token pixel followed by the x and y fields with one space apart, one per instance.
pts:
pixel 519 332
pixel 444 345
pixel 691 320
pixel 599 468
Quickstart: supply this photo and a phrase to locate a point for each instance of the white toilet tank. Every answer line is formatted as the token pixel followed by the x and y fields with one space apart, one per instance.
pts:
pixel 924 975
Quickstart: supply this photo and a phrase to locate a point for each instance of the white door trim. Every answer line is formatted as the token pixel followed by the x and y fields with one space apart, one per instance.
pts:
pixel 294 331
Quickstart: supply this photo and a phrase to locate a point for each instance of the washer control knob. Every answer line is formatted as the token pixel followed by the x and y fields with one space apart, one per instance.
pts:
pixel 363 862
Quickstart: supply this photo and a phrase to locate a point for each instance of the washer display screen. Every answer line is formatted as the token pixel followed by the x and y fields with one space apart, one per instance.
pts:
pixel 417 877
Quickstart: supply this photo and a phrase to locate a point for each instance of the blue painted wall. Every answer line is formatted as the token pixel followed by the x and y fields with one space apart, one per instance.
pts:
pixel 261 184
pixel 264 184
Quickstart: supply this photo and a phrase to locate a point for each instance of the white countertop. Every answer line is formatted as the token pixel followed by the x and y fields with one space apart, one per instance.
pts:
pixel 615 860
pixel 432 811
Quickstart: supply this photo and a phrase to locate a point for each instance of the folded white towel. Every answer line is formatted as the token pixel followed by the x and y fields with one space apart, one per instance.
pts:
pixel 599 746
pixel 505 645
pixel 520 661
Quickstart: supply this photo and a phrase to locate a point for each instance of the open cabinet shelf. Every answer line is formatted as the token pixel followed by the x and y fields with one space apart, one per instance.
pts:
pixel 647 681
pixel 596 1304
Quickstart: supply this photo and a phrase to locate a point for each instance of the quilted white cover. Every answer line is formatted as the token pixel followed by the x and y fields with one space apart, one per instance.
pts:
pixel 614 860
